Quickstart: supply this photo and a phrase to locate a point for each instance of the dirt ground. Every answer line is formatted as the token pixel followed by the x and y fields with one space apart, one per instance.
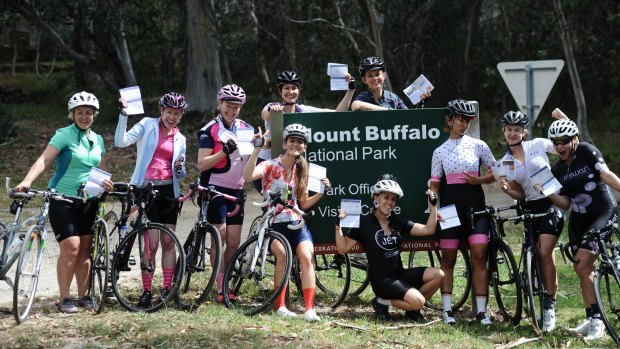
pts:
pixel 47 282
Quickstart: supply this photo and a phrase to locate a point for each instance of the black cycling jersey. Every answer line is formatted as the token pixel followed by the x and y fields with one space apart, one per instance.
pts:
pixel 383 251
pixel 582 182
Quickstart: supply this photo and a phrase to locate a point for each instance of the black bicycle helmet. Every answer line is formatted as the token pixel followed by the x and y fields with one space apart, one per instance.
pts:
pixel 289 77
pixel 461 107
pixel 515 118
pixel 371 63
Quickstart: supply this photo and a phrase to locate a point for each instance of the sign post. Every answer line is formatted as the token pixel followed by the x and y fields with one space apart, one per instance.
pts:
pixel 530 83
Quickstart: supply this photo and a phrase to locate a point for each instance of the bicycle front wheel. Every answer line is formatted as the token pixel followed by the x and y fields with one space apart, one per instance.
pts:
pixel 504 276
pixel 27 273
pixel 534 288
pixel 99 265
pixel 461 284
pixel 333 277
pixel 607 292
pixel 253 283
pixel 202 264
pixel 359 274
pixel 136 268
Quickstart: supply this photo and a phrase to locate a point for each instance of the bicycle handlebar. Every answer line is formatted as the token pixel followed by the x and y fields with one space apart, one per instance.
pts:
pixel 275 198
pixel 590 235
pixel 196 187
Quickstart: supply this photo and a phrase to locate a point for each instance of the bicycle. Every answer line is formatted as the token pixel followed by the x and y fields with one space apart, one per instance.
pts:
pixel 606 275
pixel 28 249
pixel 99 259
pixel 124 279
pixel 250 274
pixel 203 249
pixel 503 270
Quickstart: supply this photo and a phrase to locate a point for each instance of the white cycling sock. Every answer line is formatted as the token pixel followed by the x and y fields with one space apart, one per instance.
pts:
pixel 446 298
pixel 481 304
pixel 387 302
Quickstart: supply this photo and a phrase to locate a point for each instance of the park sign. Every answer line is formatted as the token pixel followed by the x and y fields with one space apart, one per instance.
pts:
pixel 357 147
pixel 530 83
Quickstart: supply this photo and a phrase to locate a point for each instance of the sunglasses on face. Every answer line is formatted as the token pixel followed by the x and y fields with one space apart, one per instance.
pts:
pixel 561 141
pixel 387 177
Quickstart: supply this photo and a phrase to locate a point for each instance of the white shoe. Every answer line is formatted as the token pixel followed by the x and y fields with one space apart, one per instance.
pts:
pixel 284 312
pixel 484 318
pixel 448 318
pixel 548 320
pixel 597 330
pixel 582 329
pixel 310 316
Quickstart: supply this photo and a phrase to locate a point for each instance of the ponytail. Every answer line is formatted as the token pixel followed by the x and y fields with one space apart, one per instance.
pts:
pixel 302 176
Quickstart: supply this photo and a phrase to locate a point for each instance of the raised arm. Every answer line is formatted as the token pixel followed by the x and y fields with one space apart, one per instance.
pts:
pixel 343 244
pixel 45 160
pixel 430 227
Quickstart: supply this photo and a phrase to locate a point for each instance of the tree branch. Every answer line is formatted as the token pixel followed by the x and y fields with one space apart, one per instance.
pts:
pixel 323 20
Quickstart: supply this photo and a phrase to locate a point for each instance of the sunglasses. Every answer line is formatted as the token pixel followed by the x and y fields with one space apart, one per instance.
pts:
pixel 561 141
pixel 387 177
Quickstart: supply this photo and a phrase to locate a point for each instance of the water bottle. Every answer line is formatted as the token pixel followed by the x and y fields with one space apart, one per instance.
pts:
pixel 122 232
pixel 16 245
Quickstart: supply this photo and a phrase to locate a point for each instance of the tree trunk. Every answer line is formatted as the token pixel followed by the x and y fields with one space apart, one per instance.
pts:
pixel 261 67
pixel 289 36
pixel 369 6
pixel 120 44
pixel 571 63
pixel 203 63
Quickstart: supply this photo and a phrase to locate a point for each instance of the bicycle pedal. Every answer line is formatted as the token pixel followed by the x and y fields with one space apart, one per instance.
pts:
pixel 132 260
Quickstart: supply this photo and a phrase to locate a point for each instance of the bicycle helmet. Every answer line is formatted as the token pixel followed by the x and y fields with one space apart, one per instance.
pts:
pixel 173 100
pixel 515 118
pixel 231 93
pixel 289 77
pixel 386 185
pixel 296 130
pixel 83 98
pixel 461 107
pixel 563 128
pixel 371 63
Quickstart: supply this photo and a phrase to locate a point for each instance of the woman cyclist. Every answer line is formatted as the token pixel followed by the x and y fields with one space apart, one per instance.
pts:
pixel 161 162
pixel 74 149
pixel 529 157
pixel 221 166
pixel 380 234
pixel 455 175
pixel 289 87
pixel 586 182
pixel 372 71
pixel 289 174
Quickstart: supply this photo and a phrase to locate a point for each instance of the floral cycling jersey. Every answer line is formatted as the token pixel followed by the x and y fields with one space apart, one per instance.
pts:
pixel 274 179
pixel 581 180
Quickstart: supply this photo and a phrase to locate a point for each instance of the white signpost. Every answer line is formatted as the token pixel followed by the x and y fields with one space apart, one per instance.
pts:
pixel 530 82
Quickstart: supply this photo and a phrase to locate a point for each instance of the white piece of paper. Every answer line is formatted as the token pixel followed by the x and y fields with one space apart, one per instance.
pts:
pixel 338 84
pixel 245 138
pixel 315 174
pixel 545 178
pixel 337 70
pixel 498 170
pixel 94 184
pixel 450 217
pixel 353 209
pixel 420 86
pixel 134 100
pixel 508 167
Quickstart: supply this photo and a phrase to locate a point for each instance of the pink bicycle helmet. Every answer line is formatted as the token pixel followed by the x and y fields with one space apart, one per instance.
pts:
pixel 173 100
pixel 231 93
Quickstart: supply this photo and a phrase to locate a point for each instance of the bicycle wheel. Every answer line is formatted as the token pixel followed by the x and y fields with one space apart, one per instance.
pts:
pixel 111 218
pixel 607 292
pixel 461 277
pixel 254 226
pixel 128 277
pixel 504 277
pixel 534 288
pixel 333 277
pixel 254 285
pixel 99 265
pixel 27 273
pixel 202 264
pixel 359 274
pixel 3 238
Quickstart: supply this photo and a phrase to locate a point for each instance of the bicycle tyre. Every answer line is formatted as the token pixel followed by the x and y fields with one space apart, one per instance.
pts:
pixel 534 288
pixel 607 293
pixel 359 275
pixel 333 277
pixel 99 265
pixel 255 290
pixel 202 263
pixel 27 272
pixel 504 276
pixel 3 239
pixel 462 276
pixel 127 281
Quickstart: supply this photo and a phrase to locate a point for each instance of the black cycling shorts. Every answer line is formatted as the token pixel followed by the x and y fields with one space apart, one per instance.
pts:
pixel 395 287
pixel 219 207
pixel 551 225
pixel 68 219
pixel 463 231
pixel 164 208
pixel 580 223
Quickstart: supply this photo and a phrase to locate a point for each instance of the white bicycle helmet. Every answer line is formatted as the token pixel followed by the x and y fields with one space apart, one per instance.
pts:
pixel 563 128
pixel 386 185
pixel 83 98
pixel 296 130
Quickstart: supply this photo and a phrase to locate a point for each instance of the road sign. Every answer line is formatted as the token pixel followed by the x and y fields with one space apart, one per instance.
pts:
pixel 530 82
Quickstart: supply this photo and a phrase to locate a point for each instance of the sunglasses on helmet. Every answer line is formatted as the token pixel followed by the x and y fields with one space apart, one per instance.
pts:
pixel 387 176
